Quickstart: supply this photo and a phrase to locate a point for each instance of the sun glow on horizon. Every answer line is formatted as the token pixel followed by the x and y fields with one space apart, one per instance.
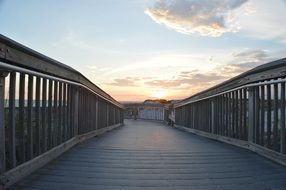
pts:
pixel 159 93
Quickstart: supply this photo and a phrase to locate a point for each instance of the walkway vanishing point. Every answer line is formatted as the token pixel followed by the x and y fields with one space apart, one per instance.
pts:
pixel 58 130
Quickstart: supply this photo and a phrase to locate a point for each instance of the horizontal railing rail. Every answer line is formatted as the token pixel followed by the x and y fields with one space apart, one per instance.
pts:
pixel 46 107
pixel 249 107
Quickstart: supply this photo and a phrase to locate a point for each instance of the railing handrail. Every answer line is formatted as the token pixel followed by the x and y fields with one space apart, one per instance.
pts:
pixel 27 71
pixel 231 90
pixel 274 69
pixel 21 56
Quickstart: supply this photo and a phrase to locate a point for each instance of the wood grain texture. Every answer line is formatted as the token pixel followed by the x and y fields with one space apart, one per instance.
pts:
pixel 16 174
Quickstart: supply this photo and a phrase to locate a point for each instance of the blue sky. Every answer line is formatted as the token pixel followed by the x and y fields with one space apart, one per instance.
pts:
pixel 147 48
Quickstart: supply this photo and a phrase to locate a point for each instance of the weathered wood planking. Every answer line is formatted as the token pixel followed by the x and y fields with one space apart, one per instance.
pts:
pixel 125 159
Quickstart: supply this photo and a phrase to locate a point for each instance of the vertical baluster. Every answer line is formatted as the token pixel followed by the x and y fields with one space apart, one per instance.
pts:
pixel 275 127
pixel 99 113
pixel 227 114
pixel 59 140
pixel 22 141
pixel 11 124
pixel 50 115
pixel 201 116
pixel 82 113
pixel 2 124
pixel 72 112
pixel 64 136
pixel 282 120
pixel 68 110
pixel 236 115
pixel 262 117
pixel 212 115
pixel 44 121
pixel 30 116
pixel 206 119
pixel 219 115
pixel 88 110
pixel 245 131
pixel 198 116
pixel 75 110
pixel 256 115
pixel 85 116
pixel 114 116
pixel 209 116
pixel 223 115
pixel 55 118
pixel 232 115
pixel 93 112
pixel 84 109
pixel 106 113
pixel 37 117
pixel 240 114
pixel 251 113
pixel 269 116
pixel 96 112
pixel 190 115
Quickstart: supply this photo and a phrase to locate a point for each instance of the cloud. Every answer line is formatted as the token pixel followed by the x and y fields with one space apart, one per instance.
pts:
pixel 265 22
pixel 92 67
pixel 183 80
pixel 240 62
pixel 207 18
pixel 251 58
pixel 124 82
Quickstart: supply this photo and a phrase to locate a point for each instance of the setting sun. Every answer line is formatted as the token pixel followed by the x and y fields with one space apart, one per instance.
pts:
pixel 159 93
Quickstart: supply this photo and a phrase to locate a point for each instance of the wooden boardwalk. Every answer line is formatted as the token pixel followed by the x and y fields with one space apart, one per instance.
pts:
pixel 150 155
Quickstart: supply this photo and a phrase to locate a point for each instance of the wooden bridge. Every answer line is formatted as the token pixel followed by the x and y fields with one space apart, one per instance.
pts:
pixel 53 124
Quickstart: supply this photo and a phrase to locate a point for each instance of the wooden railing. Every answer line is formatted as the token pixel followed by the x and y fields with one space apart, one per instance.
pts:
pixel 46 107
pixel 249 108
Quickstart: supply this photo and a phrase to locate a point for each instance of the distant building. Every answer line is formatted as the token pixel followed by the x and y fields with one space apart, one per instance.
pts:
pixel 149 110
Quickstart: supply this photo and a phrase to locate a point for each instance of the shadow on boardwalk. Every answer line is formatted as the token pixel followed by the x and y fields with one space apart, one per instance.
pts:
pixel 150 155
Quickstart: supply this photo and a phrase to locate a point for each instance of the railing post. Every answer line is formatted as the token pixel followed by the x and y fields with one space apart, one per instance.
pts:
pixel 107 114
pixel 2 124
pixel 251 109
pixel 213 119
pixel 96 114
pixel 75 110
pixel 282 120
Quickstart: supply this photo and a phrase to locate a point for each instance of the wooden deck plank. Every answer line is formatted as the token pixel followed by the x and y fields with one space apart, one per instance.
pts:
pixel 150 155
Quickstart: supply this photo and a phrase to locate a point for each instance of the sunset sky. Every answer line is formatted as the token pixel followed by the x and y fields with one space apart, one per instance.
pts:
pixel 139 49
